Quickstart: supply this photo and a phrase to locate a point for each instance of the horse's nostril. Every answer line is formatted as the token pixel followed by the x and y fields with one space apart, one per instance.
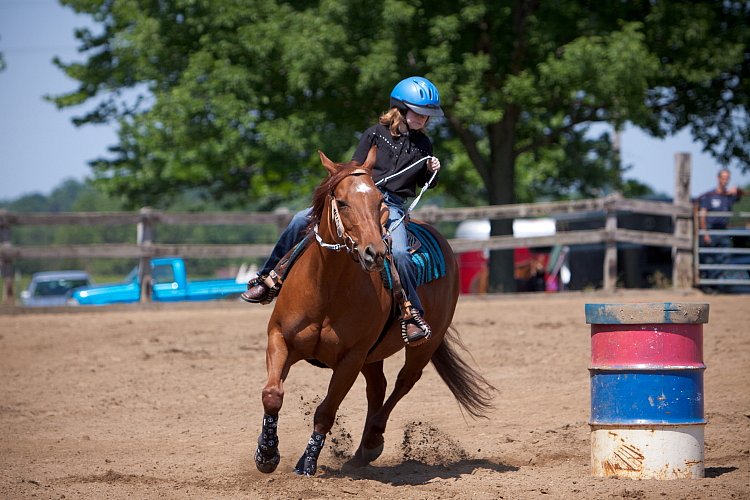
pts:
pixel 370 253
pixel 371 256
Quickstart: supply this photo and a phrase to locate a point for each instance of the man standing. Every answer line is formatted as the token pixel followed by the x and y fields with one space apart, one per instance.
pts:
pixel 719 199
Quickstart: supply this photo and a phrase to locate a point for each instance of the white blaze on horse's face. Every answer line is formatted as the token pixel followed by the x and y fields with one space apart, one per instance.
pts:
pixel 361 219
pixel 363 188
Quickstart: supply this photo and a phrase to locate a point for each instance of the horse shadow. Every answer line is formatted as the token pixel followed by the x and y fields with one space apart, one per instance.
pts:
pixel 413 472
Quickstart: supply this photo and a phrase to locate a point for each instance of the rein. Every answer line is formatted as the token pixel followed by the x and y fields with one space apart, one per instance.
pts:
pixel 416 200
pixel 349 244
pixel 386 179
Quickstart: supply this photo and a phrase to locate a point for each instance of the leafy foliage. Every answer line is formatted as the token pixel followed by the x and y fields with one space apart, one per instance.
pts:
pixel 232 98
pixel 703 78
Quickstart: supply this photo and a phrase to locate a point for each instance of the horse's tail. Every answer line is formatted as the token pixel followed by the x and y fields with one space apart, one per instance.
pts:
pixel 473 392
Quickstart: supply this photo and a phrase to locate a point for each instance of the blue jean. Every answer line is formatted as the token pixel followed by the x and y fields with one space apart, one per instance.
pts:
pixel 293 234
pixel 400 248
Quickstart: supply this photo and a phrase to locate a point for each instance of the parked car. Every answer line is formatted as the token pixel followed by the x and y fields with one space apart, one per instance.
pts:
pixel 169 283
pixel 53 288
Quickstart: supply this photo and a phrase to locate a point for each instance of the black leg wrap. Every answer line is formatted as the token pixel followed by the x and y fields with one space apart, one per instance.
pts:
pixel 308 462
pixel 267 454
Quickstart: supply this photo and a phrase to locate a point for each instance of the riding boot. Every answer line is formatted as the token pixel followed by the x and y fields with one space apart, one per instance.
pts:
pixel 414 329
pixel 265 287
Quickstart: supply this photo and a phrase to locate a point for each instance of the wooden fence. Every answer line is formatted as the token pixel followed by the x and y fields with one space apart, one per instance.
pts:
pixel 681 240
pixel 147 220
pixel 724 266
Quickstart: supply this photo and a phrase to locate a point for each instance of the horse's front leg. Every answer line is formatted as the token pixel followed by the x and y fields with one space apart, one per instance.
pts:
pixel 267 454
pixel 371 445
pixel 342 380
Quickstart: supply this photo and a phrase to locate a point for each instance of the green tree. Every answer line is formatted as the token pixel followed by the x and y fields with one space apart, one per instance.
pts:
pixel 232 97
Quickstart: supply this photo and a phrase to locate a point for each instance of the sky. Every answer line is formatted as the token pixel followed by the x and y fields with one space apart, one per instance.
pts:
pixel 40 147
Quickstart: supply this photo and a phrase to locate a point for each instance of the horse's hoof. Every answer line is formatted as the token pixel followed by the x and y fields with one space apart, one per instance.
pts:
pixel 307 465
pixel 267 464
pixel 366 455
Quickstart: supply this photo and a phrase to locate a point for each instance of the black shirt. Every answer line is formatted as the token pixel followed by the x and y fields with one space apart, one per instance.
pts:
pixel 395 154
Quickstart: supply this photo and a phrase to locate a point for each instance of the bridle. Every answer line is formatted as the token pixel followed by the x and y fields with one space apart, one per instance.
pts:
pixel 348 245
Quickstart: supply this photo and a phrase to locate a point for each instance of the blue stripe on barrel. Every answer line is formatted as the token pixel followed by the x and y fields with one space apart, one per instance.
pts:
pixel 647 397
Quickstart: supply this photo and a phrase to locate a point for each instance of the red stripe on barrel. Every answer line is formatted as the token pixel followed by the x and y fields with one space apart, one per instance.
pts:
pixel 665 345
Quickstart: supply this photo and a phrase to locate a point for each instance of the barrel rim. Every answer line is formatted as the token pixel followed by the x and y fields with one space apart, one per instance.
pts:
pixel 645 367
pixel 646 313
pixel 644 425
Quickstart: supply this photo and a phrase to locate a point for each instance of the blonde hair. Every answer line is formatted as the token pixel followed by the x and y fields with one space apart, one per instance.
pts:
pixel 395 121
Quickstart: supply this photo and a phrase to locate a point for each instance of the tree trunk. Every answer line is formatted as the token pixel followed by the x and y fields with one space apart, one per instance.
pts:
pixel 501 191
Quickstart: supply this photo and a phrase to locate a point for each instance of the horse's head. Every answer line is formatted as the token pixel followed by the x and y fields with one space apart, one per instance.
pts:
pixel 350 210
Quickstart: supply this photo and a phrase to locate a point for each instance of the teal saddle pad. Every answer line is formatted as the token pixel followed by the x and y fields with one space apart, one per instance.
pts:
pixel 428 259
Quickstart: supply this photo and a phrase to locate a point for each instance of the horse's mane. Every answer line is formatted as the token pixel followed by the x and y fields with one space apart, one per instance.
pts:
pixel 320 195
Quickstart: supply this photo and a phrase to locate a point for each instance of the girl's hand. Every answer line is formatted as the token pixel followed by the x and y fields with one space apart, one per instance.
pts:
pixel 433 165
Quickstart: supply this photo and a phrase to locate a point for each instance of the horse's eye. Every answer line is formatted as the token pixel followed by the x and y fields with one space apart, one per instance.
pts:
pixel 342 204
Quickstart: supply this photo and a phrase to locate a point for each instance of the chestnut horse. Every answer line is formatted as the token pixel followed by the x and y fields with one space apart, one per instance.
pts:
pixel 334 310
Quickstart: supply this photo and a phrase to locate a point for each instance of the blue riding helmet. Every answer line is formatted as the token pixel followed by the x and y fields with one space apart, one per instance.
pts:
pixel 418 94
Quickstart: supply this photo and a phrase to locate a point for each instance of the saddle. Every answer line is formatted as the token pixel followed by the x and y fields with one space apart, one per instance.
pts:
pixel 425 253
pixel 424 250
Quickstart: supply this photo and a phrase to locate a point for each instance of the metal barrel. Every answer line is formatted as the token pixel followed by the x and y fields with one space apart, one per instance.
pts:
pixel 646 371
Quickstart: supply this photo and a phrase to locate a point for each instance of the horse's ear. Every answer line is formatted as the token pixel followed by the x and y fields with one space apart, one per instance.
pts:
pixel 370 160
pixel 327 163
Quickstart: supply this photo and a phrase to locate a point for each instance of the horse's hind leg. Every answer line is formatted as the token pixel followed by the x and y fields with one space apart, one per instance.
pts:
pixel 410 373
pixel 344 376
pixel 372 442
pixel 267 455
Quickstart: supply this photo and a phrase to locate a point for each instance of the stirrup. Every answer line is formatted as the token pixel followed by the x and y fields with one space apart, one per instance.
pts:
pixel 415 317
pixel 271 281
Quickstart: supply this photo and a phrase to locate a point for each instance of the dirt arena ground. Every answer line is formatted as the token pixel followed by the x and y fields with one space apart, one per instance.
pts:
pixel 164 402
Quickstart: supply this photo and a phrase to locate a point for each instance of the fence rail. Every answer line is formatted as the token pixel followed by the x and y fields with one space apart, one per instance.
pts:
pixel 722 265
pixel 682 240
pixel 147 220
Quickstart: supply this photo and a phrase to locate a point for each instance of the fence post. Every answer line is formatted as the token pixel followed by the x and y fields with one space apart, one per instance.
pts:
pixel 682 259
pixel 145 237
pixel 6 264
pixel 610 251
pixel 696 245
pixel 285 217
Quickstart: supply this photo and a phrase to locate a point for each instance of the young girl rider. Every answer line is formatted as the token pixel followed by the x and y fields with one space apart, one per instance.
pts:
pixel 404 161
